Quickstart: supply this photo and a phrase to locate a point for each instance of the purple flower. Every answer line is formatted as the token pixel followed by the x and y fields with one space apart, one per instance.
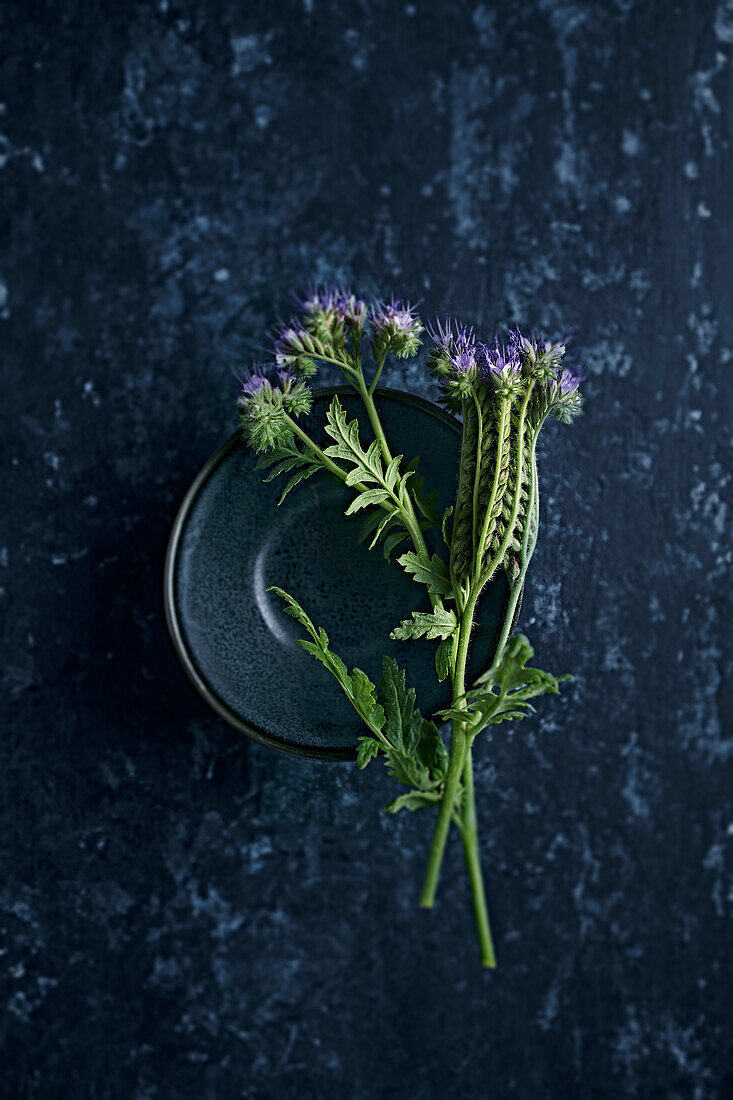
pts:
pixel 285 376
pixel 457 347
pixel 353 309
pixel 569 381
pixel 396 329
pixel 321 300
pixel 502 367
pixel 253 382
pixel 334 304
pixel 502 360
pixel 542 357
pixel 290 342
pixel 396 315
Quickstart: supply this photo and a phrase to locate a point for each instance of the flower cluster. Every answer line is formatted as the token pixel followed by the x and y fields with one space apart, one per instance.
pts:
pixel 463 366
pixel 267 408
pixel 455 361
pixel 396 329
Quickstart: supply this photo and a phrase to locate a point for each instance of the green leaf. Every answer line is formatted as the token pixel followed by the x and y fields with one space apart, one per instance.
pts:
pixel 402 721
pixel 368 465
pixel 440 623
pixel 432 572
pixel 384 523
pixel 372 520
pixel 358 687
pixel 443 658
pixel 296 479
pixel 363 500
pixel 426 504
pixel 432 751
pixel 368 749
pixel 283 467
pixel 505 689
pixel 391 476
pixel 393 542
pixel 413 800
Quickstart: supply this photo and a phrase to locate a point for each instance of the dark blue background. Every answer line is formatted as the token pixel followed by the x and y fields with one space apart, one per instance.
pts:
pixel 186 915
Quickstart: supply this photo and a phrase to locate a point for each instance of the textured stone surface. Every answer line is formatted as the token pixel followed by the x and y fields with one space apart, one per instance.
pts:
pixel 184 915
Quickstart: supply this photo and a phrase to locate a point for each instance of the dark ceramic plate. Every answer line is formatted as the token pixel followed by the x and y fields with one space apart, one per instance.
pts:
pixel 230 542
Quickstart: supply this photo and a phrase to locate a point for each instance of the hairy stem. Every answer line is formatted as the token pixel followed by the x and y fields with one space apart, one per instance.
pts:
pixel 378 371
pixel 469 834
pixel 411 520
pixel 316 450
pixel 455 765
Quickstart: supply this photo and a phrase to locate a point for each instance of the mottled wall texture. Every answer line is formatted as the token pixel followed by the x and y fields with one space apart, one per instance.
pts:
pixel 185 914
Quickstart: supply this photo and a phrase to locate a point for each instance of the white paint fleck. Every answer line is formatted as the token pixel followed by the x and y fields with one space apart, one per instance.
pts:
pixel 622 204
pixel 221 275
pixel 263 116
pixel 249 52
pixel 723 24
pixel 703 211
pixel 691 170
pixel 630 143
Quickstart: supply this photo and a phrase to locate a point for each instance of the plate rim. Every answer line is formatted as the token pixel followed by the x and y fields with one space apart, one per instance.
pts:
pixel 219 705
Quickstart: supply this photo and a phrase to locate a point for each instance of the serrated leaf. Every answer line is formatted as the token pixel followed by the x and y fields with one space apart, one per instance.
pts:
pixel 363 500
pixel 357 685
pixel 283 467
pixel 505 689
pixel 432 572
pixel 403 722
pixel 440 623
pixel 391 475
pixel 368 749
pixel 296 479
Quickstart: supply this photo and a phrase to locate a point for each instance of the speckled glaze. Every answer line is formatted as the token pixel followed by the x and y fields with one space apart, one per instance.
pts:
pixel 230 542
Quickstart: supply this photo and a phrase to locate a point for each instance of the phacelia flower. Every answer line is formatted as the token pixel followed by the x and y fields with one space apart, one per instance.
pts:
pixel 265 409
pixel 565 398
pixel 454 361
pixel 294 348
pixel 502 367
pixel 396 329
pixel 353 309
pixel 253 382
pixel 540 358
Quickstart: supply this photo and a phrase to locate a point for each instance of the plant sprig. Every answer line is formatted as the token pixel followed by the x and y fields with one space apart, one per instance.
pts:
pixel 504 392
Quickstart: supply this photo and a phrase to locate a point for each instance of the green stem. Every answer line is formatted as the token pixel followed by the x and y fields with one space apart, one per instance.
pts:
pixel 455 765
pixel 323 458
pixel 469 834
pixel 412 522
pixel 375 379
